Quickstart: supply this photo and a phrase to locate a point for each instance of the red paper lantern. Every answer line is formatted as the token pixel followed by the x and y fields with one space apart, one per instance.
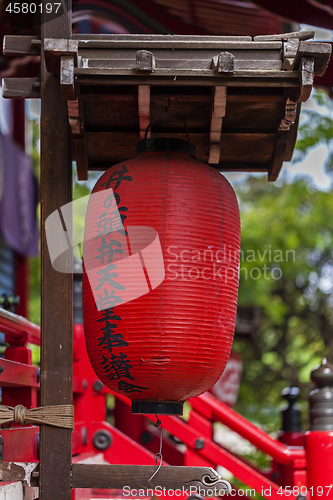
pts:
pixel 161 257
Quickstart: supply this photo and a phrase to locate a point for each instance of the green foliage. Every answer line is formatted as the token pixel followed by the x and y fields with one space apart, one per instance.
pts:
pixel 317 129
pixel 287 235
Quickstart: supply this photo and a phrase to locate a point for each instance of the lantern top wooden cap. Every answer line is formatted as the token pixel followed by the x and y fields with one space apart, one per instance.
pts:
pixel 166 144
pixel 240 96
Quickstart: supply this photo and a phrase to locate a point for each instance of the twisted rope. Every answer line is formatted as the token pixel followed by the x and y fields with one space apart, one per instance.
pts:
pixel 57 416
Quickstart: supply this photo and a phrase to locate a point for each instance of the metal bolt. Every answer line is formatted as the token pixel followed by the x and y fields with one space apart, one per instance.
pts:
pixel 84 433
pixel 98 386
pixel 102 440
pixel 199 444
pixel 146 437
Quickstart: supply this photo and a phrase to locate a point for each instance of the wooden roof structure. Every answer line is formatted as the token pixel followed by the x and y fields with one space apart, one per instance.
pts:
pixel 239 96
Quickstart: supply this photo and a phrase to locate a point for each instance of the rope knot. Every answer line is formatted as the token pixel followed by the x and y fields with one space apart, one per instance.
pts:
pixel 19 414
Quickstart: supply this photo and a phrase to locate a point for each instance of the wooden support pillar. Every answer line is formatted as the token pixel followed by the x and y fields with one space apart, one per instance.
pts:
pixel 56 315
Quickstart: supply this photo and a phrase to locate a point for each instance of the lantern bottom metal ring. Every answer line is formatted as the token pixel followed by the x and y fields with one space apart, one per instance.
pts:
pixel 157 407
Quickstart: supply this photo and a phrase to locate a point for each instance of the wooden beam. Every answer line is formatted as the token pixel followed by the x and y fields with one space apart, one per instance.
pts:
pixel 218 112
pixel 137 476
pixel 56 295
pixel 302 93
pixel 21 45
pixel 144 109
pixel 21 88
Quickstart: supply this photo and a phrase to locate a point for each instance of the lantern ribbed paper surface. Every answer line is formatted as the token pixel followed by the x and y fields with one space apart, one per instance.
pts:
pixel 160 284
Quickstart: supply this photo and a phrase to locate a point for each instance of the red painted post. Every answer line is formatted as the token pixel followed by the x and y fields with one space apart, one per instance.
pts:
pixel 291 435
pixel 319 439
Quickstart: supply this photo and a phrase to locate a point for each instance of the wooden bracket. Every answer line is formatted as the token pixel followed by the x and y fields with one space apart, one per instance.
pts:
pixel 21 88
pixel 144 109
pixel 67 83
pixel 302 93
pixel 54 49
pixel 290 115
pixel 224 62
pixel 145 61
pixel 218 112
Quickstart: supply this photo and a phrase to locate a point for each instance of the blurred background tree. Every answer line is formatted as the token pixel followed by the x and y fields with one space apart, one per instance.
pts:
pixel 287 270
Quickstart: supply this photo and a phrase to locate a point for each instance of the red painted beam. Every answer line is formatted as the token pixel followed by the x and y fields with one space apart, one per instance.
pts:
pixel 18 374
pixel 18 330
pixel 209 407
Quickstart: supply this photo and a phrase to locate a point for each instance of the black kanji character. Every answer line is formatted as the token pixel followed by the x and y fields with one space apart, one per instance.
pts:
pixel 118 176
pixel 106 277
pixel 117 367
pixel 111 339
pixel 127 388
pixel 111 222
pixel 107 250
pixel 109 314
pixel 109 300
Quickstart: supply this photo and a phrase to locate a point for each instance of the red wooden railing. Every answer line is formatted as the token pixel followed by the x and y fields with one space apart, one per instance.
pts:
pixel 132 439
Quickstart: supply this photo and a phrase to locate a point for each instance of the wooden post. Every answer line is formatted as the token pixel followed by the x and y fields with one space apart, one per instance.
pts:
pixel 56 314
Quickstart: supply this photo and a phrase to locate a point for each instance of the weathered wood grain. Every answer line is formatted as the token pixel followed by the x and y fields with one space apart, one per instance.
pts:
pixel 20 45
pixel 21 88
pixel 56 289
pixel 137 476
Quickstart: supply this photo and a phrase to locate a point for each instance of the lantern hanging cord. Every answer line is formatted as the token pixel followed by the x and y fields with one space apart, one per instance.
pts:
pixel 159 454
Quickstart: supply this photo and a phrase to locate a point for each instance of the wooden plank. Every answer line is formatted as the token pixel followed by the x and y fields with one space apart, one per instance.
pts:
pixel 222 166
pixel 300 35
pixel 185 43
pixel 21 88
pixel 144 109
pixel 204 78
pixel 56 294
pixel 137 476
pixel 165 38
pixel 108 146
pixel 104 97
pixel 20 45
